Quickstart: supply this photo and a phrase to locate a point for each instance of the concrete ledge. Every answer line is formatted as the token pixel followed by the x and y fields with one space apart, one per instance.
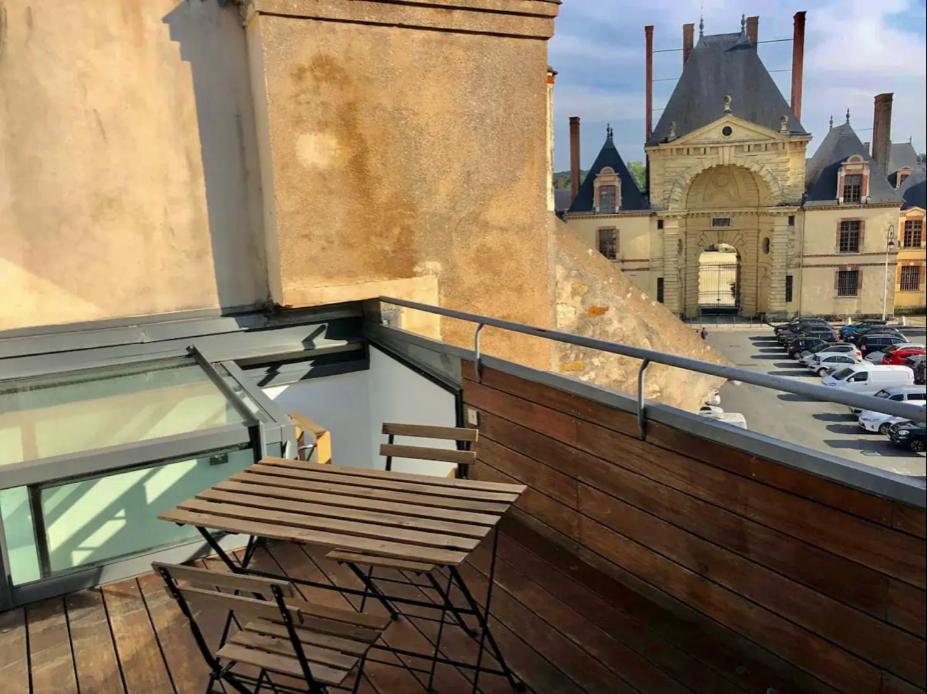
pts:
pixel 516 18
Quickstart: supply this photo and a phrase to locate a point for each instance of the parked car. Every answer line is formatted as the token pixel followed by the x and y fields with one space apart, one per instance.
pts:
pixel 877 342
pixel 854 328
pixel 872 330
pixel 881 422
pixel 796 322
pixel 832 347
pixel 909 435
pixel 793 330
pixel 869 379
pixel 823 363
pixel 803 342
pixel 899 393
pixel 876 357
pixel 901 352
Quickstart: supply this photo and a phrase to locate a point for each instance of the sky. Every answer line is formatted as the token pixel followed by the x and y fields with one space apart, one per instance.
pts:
pixel 854 49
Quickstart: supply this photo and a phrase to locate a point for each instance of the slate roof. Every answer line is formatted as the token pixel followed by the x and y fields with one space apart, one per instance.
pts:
pixel 631 196
pixel 562 199
pixel 902 154
pixel 724 65
pixel 841 143
pixel 914 189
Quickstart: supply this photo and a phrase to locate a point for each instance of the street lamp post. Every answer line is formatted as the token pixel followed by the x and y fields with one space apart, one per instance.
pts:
pixel 889 247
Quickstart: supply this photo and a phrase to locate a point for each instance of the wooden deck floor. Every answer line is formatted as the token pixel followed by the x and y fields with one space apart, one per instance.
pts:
pixel 564 626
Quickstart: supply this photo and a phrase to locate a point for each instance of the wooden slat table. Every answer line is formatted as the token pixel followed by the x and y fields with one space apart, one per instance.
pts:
pixel 382 515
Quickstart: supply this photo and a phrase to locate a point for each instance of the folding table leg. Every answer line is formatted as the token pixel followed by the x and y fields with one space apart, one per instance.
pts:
pixel 451 606
pixel 371 588
pixel 482 617
pixel 445 602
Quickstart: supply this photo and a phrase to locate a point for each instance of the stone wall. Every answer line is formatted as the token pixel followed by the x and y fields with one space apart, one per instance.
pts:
pixel 128 161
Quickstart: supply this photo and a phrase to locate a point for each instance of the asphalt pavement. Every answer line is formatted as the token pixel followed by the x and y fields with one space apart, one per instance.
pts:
pixel 818 425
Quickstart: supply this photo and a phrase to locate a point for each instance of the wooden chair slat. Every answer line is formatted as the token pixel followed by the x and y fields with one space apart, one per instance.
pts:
pixel 204 578
pixel 444 455
pixel 283 646
pixel 282 664
pixel 431 432
pixel 309 637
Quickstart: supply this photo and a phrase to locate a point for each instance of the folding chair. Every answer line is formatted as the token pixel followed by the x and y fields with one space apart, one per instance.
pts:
pixel 463 457
pixel 278 633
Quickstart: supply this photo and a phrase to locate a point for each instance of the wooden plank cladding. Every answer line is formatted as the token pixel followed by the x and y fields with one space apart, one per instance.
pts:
pixel 826 580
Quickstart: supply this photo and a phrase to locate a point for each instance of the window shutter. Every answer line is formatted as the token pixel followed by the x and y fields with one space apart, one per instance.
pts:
pixel 862 235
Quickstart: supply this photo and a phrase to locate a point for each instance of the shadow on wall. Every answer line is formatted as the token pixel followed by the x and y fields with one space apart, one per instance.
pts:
pixel 212 40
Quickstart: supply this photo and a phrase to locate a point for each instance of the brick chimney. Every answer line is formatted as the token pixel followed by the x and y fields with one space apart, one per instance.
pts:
pixel 753 29
pixel 882 130
pixel 798 61
pixel 574 156
pixel 688 38
pixel 648 79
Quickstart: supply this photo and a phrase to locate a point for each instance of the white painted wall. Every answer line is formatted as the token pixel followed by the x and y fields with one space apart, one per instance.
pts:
pixel 398 394
pixel 339 403
pixel 353 407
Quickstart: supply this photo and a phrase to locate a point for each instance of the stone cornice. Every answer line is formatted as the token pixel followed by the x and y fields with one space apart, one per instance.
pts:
pixel 531 19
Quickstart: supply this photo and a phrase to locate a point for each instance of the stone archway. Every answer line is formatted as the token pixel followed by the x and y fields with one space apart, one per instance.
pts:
pixel 724 207
pixel 769 187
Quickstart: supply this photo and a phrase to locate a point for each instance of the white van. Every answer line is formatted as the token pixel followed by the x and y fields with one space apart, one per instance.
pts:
pixel 898 394
pixel 869 379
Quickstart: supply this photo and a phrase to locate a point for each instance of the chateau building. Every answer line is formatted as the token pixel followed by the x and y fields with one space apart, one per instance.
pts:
pixel 736 218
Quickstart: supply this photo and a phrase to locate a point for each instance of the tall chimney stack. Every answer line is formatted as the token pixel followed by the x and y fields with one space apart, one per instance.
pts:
pixel 574 155
pixel 688 38
pixel 882 130
pixel 753 29
pixel 798 61
pixel 648 99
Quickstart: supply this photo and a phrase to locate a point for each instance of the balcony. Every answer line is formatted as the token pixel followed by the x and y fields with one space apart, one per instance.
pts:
pixel 653 549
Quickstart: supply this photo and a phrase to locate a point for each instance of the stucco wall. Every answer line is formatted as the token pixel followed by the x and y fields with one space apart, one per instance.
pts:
pixel 128 162
pixel 397 152
pixel 635 240
pixel 821 261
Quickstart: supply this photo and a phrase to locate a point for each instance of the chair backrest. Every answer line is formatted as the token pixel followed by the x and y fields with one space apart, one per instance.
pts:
pixel 463 457
pixel 218 589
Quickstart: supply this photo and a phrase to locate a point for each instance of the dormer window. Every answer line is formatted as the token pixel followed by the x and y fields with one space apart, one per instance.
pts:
pixel 902 174
pixel 852 187
pixel 853 181
pixel 607 191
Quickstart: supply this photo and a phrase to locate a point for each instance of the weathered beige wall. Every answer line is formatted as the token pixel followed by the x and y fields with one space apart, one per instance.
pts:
pixel 596 300
pixel 910 300
pixel 636 238
pixel 821 261
pixel 398 152
pixel 128 162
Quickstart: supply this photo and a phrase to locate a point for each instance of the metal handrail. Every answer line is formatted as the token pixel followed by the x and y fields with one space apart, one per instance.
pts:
pixel 823 393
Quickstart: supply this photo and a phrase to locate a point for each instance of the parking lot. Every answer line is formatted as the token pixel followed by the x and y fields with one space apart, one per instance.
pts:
pixel 822 426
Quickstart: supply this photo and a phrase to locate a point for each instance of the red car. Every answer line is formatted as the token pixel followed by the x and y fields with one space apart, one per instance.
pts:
pixel 897 356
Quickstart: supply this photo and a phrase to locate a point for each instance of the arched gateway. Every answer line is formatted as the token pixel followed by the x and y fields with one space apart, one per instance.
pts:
pixel 722 235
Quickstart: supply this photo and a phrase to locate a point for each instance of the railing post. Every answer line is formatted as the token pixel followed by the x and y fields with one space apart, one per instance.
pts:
pixel 476 352
pixel 641 415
